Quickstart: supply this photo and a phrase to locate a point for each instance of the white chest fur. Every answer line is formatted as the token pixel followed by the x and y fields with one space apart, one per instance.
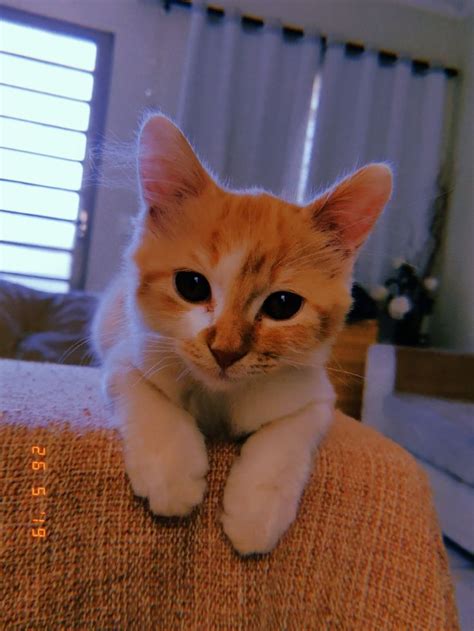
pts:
pixel 251 404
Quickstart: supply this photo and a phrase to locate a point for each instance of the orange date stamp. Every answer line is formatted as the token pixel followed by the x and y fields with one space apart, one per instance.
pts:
pixel 39 492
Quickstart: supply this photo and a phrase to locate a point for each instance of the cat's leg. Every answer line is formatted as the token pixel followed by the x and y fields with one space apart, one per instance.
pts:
pixel 165 453
pixel 266 482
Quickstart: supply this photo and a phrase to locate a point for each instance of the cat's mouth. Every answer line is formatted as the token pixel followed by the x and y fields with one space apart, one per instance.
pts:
pixel 215 378
pixel 221 379
pixel 205 370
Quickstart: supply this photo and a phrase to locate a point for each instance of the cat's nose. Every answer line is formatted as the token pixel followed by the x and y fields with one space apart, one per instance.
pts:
pixel 226 358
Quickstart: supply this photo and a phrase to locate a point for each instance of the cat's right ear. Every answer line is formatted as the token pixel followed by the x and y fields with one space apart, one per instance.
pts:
pixel 168 169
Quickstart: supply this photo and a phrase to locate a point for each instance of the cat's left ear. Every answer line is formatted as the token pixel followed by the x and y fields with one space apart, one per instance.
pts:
pixel 350 209
pixel 168 169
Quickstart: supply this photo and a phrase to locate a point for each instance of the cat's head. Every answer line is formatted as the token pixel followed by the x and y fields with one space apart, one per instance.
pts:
pixel 243 283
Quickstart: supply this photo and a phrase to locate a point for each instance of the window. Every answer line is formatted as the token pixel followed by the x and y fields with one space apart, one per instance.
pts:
pixel 53 89
pixel 309 140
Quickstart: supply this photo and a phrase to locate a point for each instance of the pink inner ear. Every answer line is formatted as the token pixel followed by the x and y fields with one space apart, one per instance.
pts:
pixel 158 181
pixel 167 165
pixel 353 206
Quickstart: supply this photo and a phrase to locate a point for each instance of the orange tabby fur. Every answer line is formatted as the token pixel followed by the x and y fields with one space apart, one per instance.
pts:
pixel 157 347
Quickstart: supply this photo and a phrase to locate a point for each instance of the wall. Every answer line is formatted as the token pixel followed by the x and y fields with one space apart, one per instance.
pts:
pixel 453 322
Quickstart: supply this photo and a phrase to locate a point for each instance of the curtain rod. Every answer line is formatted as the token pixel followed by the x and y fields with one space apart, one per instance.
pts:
pixel 299 31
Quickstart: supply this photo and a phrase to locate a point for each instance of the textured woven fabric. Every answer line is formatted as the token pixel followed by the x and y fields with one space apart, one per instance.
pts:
pixel 364 553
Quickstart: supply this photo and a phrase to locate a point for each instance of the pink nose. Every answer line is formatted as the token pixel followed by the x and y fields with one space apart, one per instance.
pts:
pixel 226 358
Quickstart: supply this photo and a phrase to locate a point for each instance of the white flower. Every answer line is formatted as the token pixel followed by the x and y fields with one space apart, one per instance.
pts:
pixel 431 283
pixel 398 307
pixel 379 292
pixel 398 262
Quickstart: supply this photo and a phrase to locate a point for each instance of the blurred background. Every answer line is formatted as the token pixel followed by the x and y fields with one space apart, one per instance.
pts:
pixel 285 95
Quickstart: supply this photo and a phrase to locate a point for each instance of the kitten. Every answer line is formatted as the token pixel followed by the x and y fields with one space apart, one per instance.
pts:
pixel 223 317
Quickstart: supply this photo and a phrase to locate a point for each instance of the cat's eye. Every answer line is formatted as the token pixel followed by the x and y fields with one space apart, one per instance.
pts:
pixel 192 286
pixel 282 305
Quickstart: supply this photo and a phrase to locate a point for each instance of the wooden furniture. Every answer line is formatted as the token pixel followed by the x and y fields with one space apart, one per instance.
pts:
pixel 435 373
pixel 346 367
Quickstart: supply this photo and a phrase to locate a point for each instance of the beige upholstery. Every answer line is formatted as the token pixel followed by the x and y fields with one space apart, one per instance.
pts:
pixel 365 552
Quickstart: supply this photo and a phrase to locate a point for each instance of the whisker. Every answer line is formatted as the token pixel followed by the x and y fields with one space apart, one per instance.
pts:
pixel 345 372
pixel 297 364
pixel 185 372
pixel 158 367
pixel 74 347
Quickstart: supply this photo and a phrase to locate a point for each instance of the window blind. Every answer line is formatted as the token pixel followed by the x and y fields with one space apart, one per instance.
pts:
pixel 46 88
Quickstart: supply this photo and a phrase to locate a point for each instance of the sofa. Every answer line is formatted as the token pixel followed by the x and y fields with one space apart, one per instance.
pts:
pixel 365 552
pixel 43 326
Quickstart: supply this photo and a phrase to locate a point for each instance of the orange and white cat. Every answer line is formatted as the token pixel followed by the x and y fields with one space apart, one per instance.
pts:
pixel 222 318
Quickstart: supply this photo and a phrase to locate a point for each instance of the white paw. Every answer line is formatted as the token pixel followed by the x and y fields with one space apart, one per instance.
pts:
pixel 256 516
pixel 172 477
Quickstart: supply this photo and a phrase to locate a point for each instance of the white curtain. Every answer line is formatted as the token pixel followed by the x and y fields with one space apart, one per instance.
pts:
pixel 376 110
pixel 245 99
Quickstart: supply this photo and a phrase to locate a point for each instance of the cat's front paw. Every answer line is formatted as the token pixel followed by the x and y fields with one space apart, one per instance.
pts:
pixel 174 481
pixel 257 515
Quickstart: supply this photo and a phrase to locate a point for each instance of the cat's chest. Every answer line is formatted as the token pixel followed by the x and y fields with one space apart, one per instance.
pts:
pixel 211 410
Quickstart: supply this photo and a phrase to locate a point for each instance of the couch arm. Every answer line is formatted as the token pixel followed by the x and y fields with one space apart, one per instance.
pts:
pixel 364 553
